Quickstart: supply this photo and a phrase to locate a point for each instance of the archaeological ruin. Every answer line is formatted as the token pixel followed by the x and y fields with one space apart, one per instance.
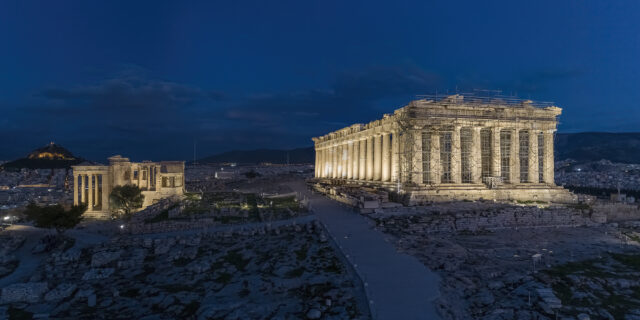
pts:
pixel 92 184
pixel 452 148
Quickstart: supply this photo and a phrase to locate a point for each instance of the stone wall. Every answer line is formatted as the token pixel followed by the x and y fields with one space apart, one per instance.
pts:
pixel 425 220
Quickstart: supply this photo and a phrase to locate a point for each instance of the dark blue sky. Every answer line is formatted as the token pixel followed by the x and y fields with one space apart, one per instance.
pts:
pixel 146 78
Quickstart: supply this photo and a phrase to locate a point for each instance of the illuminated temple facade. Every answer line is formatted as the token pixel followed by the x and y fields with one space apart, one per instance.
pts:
pixel 92 184
pixel 454 148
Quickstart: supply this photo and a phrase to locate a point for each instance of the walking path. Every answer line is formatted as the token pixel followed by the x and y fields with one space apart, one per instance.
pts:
pixel 398 285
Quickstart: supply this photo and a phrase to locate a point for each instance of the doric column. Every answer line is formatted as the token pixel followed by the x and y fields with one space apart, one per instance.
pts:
pixel 515 156
pixel 317 163
pixel 338 161
pixel 435 167
pixel 323 161
pixel 548 175
pixel 345 161
pixel 377 157
pixel 416 157
pixel 362 166
pixel 386 157
pixel 495 152
pixel 75 189
pixel 83 198
pixel 96 200
pixel 350 160
pixel 533 156
pixel 476 156
pixel 90 192
pixel 456 174
pixel 105 192
pixel 334 161
pixel 355 160
pixel 395 157
pixel 370 158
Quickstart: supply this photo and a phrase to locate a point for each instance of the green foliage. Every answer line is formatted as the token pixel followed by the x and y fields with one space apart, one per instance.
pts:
pixel 55 217
pixel 125 199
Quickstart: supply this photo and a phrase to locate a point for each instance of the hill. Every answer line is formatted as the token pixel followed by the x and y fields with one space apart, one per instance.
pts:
pixel 51 156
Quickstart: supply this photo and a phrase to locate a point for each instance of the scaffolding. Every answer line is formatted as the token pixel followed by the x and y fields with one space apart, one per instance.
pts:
pixel 523 155
pixel 465 155
pixel 540 157
pixel 486 154
pixel 426 158
pixel 505 155
pixel 424 154
pixel 484 97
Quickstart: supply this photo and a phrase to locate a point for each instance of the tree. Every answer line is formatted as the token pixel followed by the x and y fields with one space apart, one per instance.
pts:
pixel 125 199
pixel 55 216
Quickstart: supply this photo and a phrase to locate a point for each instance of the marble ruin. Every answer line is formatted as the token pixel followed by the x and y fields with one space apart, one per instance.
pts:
pixel 92 184
pixel 453 148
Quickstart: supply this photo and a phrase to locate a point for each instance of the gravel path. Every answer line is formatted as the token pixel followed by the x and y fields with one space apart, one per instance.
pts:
pixel 398 285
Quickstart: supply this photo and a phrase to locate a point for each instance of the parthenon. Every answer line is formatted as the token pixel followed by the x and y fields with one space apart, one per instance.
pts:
pixel 453 148
pixel 93 184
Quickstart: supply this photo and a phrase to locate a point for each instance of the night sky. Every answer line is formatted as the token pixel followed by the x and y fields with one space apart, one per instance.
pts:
pixel 146 78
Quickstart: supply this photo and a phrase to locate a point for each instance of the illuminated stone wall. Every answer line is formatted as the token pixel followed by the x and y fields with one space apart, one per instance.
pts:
pixel 93 183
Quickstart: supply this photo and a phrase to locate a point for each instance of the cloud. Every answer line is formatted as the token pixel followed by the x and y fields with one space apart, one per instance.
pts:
pixel 348 97
pixel 132 113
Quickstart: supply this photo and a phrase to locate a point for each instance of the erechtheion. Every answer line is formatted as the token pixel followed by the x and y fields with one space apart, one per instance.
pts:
pixel 453 148
pixel 93 183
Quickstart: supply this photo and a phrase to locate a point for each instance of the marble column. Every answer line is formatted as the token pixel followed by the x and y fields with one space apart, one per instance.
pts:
pixel 362 166
pixel 345 162
pixel 325 163
pixel 533 156
pixel 416 157
pixel 435 166
pixel 96 200
pixel 105 192
pixel 476 155
pixel 456 173
pixel 395 157
pixel 548 175
pixel 90 192
pixel 495 152
pixel 75 189
pixel 515 156
pixel 317 163
pixel 334 162
pixel 386 157
pixel 83 198
pixel 377 157
pixel 350 160
pixel 355 161
pixel 370 158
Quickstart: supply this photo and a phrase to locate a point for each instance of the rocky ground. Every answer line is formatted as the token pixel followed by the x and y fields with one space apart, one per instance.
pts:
pixel 533 273
pixel 284 273
pixel 9 243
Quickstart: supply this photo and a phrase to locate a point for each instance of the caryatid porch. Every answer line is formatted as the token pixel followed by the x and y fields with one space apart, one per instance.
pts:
pixel 92 187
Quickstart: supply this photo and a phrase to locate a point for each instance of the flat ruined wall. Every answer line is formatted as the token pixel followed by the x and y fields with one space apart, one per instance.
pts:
pixel 511 217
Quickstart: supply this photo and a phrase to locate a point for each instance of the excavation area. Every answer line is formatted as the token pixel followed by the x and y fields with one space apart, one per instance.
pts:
pixel 528 273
